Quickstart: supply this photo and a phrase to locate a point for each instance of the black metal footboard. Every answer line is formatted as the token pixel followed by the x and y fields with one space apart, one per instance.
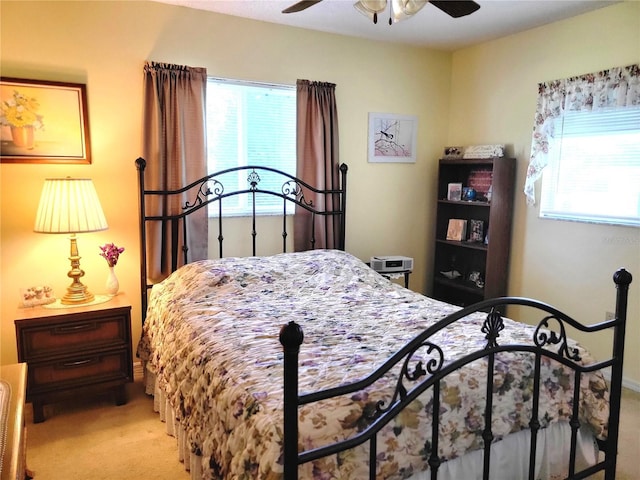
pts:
pixel 550 340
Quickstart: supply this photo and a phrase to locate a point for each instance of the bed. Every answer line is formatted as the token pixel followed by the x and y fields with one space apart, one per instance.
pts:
pixel 311 365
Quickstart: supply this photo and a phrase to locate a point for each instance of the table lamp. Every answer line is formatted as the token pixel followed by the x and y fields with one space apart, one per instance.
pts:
pixel 71 205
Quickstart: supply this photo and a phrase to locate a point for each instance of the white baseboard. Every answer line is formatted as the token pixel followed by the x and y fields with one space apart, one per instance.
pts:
pixel 631 385
pixel 626 382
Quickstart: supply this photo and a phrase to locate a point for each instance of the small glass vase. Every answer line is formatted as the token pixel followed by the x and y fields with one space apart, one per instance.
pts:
pixel 112 282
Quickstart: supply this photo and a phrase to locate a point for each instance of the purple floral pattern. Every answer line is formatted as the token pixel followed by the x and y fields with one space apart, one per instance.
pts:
pixel 211 339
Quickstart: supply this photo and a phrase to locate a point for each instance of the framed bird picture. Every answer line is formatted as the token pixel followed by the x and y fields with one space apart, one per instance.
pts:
pixel 392 138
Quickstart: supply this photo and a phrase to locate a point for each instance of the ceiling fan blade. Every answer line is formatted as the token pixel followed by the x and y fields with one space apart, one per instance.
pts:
pixel 455 8
pixel 299 6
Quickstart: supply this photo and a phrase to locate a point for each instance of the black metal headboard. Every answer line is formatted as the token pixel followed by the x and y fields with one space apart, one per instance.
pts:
pixel 212 189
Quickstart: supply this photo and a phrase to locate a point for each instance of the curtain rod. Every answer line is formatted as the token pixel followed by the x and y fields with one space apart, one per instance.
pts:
pixel 250 82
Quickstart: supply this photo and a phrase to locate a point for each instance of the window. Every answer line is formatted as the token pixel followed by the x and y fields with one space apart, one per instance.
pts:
pixel 594 168
pixel 250 124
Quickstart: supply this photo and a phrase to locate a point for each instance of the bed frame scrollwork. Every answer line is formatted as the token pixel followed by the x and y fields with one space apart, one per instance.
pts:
pixel 549 340
pixel 216 189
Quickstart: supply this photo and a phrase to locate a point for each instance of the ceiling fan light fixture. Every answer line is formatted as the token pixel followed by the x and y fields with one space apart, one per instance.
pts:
pixel 371 8
pixel 404 9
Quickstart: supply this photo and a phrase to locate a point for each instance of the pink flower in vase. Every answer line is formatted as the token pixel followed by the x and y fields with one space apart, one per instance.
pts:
pixel 111 252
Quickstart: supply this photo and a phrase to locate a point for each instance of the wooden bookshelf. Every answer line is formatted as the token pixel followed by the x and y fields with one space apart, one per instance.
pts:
pixel 494 208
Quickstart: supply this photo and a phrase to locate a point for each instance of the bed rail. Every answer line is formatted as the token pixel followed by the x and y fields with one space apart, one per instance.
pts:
pixel 219 189
pixel 550 340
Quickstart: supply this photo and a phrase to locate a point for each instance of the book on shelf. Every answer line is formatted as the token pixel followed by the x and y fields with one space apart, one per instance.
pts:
pixel 476 233
pixel 457 229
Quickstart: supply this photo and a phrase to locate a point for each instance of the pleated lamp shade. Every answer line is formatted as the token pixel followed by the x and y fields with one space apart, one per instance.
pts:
pixel 69 205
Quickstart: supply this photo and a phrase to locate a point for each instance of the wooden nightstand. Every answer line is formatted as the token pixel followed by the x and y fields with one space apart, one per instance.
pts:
pixel 77 350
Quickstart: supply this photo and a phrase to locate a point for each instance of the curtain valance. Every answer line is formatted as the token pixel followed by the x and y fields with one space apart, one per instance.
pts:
pixel 613 88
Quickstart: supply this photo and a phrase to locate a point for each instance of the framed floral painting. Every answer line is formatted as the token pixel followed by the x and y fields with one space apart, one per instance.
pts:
pixel 43 122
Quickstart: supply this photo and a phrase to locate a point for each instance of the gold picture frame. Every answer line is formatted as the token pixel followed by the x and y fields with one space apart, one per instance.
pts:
pixel 43 122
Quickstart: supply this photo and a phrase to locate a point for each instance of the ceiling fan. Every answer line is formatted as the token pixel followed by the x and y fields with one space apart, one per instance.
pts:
pixel 398 9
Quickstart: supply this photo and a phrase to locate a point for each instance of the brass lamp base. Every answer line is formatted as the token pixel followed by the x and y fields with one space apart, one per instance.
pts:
pixel 77 292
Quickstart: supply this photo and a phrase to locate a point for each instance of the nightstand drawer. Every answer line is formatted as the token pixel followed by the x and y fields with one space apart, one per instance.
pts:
pixel 79 370
pixel 62 337
pixel 76 350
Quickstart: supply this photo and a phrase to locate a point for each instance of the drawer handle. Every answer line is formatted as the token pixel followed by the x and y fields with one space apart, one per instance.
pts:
pixel 78 363
pixel 75 328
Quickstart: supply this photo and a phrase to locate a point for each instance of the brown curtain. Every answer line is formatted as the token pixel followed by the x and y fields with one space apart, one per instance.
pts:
pixel 317 162
pixel 175 151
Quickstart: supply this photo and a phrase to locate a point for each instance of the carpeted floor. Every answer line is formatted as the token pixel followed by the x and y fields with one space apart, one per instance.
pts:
pixel 92 439
pixel 96 440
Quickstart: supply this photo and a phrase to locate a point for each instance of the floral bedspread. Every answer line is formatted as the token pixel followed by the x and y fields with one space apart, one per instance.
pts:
pixel 211 337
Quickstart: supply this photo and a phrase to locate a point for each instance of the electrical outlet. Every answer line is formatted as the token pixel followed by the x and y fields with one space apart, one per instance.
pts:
pixel 609 315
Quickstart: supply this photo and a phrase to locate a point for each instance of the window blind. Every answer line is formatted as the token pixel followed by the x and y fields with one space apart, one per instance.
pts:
pixel 594 168
pixel 251 124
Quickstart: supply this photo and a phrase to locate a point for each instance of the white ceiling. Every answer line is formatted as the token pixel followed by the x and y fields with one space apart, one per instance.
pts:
pixel 430 27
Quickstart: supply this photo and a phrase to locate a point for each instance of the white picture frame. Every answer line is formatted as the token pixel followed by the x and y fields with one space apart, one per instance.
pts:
pixel 392 138
pixel 454 192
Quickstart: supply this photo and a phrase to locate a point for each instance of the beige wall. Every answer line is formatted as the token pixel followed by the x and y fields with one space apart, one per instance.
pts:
pixel 494 90
pixel 104 44
pixel 491 89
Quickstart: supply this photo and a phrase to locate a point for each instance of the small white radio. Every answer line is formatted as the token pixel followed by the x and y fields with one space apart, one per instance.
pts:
pixel 392 263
